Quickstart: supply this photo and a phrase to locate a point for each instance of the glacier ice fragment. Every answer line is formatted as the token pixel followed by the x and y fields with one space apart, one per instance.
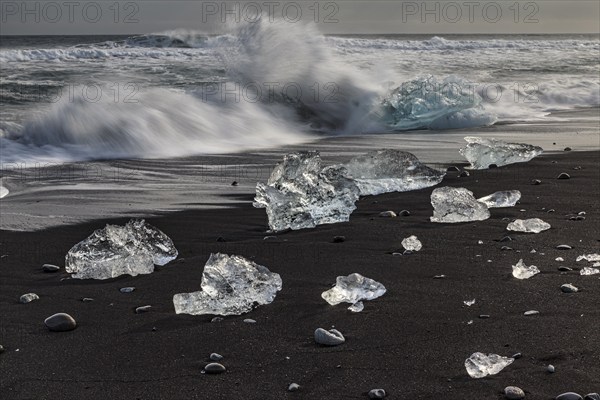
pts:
pixel 231 285
pixel 589 257
pixel 301 194
pixel 505 198
pixel 532 225
pixel 589 271
pixel 522 271
pixel 451 205
pixel 352 289
pixel 481 153
pixel 388 170
pixel 480 365
pixel 412 243
pixel 117 250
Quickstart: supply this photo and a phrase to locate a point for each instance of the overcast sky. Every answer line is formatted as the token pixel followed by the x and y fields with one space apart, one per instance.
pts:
pixel 66 17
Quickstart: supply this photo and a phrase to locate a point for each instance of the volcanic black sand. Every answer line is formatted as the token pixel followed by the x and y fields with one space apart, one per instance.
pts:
pixel 412 342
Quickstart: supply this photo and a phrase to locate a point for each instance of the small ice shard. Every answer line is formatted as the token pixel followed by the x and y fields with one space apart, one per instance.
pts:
pixel 532 225
pixel 352 289
pixel 3 191
pixel 117 250
pixel 357 307
pixel 522 271
pixel 482 152
pixel 589 257
pixel 301 194
pixel 412 243
pixel 452 205
pixel 231 285
pixel 388 170
pixel 480 365
pixel 469 303
pixel 589 271
pixel 531 312
pixel 505 198
pixel 559 259
pixel 332 337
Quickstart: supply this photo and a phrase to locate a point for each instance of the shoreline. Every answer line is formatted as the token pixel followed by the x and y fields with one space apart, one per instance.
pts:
pixel 412 341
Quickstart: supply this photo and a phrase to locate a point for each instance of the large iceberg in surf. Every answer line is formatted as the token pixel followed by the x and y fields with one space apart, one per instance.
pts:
pixel 388 170
pixel 116 250
pixel 426 103
pixel 231 285
pixel 452 205
pixel 301 194
pixel 482 153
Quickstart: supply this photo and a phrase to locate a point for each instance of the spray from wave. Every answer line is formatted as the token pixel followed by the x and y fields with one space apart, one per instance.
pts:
pixel 282 84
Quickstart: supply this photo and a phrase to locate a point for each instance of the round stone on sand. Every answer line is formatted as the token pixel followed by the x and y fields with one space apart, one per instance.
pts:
pixel 387 214
pixel 514 393
pixel 563 247
pixel 339 239
pixel 28 298
pixel 249 321
pixel 216 357
pixel 377 394
pixel 569 288
pixel 142 309
pixel 592 396
pixel 294 387
pixel 564 175
pixel 127 289
pixel 50 268
pixel 550 368
pixel 404 213
pixel 332 337
pixel 569 396
pixel 60 322
pixel 214 368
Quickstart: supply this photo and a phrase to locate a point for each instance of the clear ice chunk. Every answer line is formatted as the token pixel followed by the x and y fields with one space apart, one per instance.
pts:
pixel 481 153
pixel 532 225
pixel 480 365
pixel 522 271
pixel 117 250
pixel 429 103
pixel 300 194
pixel 412 243
pixel 589 257
pixel 352 289
pixel 452 205
pixel 589 271
pixel 357 307
pixel 388 170
pixel 505 198
pixel 231 285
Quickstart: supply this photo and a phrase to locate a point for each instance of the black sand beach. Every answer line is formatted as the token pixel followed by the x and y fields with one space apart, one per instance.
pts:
pixel 412 341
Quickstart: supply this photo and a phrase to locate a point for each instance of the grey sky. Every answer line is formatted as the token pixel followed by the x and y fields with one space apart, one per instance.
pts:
pixel 64 17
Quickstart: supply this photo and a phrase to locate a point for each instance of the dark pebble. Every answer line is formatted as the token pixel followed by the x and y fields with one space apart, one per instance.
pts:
pixel 506 239
pixel 484 316
pixel 214 368
pixel 568 149
pixel 1 349
pixel 563 247
pixel 50 268
pixel 551 210
pixel 404 213
pixel 565 269
pixel 517 356
pixel 536 182
pixel 577 168
pixel 60 322
pixel 564 175
pixel 234 183
pixel 592 396
pixel 463 174
pixel 339 239
pixel 142 309
pixel 569 396
pixel 87 299
pixel 504 248
pixel 216 319
pixel 492 166
pixel 221 239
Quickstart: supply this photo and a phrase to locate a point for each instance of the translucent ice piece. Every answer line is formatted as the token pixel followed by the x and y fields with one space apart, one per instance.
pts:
pixel 300 194
pixel 429 103
pixel 384 171
pixel 231 285
pixel 469 303
pixel 481 153
pixel 589 271
pixel 533 225
pixel 357 307
pixel 505 198
pixel 412 243
pixel 117 250
pixel 352 289
pixel 480 365
pixel 522 271
pixel 451 205
pixel 589 257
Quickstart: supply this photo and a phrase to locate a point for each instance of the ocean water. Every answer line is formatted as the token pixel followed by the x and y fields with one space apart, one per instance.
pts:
pixel 264 85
